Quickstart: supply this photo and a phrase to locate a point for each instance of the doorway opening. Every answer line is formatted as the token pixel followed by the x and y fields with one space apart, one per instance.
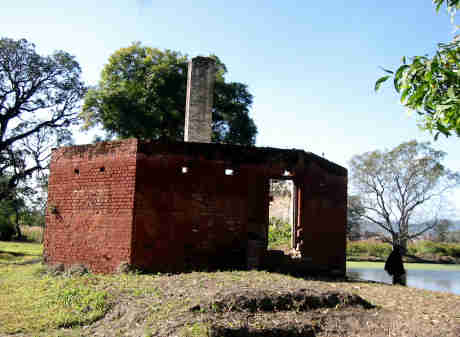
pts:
pixel 282 214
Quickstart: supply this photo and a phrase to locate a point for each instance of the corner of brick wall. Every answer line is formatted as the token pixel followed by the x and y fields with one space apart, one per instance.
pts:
pixel 90 205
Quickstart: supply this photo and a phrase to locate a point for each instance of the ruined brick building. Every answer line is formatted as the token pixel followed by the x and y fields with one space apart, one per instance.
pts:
pixel 172 206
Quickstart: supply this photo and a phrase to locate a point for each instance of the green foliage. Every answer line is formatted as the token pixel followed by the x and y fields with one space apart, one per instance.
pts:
pixel 279 233
pixel 431 85
pixel 452 6
pixel 6 220
pixel 33 217
pixel 437 248
pixel 39 99
pixel 418 248
pixel 6 231
pixel 142 93
pixel 368 248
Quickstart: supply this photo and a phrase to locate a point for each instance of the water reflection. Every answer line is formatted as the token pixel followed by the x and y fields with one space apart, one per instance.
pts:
pixel 438 280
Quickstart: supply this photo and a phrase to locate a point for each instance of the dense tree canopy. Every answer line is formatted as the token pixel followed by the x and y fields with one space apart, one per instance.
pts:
pixel 400 189
pixel 39 99
pixel 431 85
pixel 142 94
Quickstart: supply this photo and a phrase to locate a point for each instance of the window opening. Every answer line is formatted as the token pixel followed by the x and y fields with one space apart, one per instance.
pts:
pixel 184 169
pixel 229 172
pixel 76 171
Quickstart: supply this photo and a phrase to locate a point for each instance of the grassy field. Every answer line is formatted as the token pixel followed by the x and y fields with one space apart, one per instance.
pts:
pixel 32 300
pixel 35 301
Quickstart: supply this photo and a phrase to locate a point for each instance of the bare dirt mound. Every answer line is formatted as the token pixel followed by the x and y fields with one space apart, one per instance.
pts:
pixel 266 301
pixel 304 331
pixel 303 312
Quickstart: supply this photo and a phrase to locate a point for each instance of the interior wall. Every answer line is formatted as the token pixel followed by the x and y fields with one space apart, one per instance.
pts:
pixel 198 218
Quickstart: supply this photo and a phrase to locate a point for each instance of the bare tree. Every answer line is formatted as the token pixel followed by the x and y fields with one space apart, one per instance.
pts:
pixel 355 212
pixel 400 187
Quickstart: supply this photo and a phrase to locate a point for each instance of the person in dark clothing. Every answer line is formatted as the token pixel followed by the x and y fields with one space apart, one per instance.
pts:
pixel 394 266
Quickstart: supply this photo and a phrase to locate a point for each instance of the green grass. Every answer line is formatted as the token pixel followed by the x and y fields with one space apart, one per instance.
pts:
pixel 414 266
pixel 31 300
pixel 19 252
pixel 36 303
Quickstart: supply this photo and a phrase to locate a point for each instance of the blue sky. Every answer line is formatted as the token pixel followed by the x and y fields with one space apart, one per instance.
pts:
pixel 311 65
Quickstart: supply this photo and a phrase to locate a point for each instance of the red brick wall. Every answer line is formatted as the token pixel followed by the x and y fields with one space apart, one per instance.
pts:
pixel 90 205
pixel 127 202
pixel 195 219
pixel 323 219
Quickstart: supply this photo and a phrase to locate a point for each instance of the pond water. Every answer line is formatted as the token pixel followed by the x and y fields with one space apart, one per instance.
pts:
pixel 433 277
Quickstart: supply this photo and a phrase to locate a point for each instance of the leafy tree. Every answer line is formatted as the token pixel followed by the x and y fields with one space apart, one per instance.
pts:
pixel 10 209
pixel 142 94
pixel 6 216
pixel 431 85
pixel 398 188
pixel 39 99
pixel 355 212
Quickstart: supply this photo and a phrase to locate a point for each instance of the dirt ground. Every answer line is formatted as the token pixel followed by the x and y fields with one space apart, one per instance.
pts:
pixel 258 303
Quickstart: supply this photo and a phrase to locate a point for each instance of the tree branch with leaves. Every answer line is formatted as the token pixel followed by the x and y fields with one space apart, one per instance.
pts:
pixel 39 99
pixel 430 86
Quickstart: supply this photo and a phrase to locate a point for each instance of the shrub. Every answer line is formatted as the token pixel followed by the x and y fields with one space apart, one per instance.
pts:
pixel 356 248
pixel 368 248
pixel 437 248
pixel 379 249
pixel 279 233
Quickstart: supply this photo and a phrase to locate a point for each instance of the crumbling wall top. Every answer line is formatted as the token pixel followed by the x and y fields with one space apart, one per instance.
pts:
pixel 237 154
pixel 88 151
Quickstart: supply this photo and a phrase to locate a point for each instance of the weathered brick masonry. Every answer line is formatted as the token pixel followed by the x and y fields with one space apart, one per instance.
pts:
pixel 90 205
pixel 171 206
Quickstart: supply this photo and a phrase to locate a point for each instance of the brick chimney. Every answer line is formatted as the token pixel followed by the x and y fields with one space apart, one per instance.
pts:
pixel 200 92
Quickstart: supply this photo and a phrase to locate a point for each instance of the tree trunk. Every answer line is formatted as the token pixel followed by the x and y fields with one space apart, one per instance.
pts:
pixel 18 228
